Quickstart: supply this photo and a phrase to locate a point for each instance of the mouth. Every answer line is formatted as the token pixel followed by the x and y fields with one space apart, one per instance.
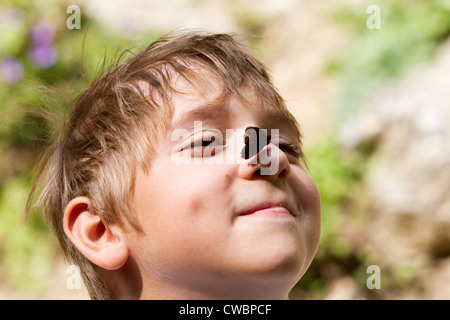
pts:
pixel 273 208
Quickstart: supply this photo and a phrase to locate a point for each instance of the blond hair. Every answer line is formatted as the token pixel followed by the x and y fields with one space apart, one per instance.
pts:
pixel 114 126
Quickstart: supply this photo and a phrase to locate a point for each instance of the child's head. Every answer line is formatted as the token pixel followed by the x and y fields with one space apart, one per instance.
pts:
pixel 147 189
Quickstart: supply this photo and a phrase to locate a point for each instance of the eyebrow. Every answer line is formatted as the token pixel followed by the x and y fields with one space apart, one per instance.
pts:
pixel 205 112
pixel 218 112
pixel 277 116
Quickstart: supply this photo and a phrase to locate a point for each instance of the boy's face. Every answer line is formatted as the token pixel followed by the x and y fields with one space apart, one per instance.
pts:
pixel 198 230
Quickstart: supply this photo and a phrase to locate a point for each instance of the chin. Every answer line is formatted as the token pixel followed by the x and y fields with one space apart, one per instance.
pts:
pixel 273 276
pixel 283 263
pixel 286 263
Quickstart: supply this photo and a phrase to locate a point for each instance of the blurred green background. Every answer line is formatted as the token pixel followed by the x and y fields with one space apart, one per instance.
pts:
pixel 325 61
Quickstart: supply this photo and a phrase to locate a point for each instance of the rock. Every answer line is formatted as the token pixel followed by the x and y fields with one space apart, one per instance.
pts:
pixel 407 125
pixel 409 122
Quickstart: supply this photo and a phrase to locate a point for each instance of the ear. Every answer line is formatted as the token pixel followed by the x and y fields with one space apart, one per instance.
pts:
pixel 98 242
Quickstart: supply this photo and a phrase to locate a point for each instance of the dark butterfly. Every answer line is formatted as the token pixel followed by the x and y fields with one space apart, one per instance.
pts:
pixel 255 140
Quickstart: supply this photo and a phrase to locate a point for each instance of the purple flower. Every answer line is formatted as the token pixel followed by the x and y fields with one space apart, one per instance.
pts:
pixel 43 56
pixel 11 70
pixel 42 34
pixel 42 52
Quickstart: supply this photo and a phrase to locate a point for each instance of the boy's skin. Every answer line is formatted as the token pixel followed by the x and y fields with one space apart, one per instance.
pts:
pixel 197 242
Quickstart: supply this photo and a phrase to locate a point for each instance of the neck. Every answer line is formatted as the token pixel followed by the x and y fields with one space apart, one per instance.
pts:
pixel 132 284
pixel 227 288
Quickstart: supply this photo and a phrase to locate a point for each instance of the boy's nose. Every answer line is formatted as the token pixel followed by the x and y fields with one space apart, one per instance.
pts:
pixel 270 161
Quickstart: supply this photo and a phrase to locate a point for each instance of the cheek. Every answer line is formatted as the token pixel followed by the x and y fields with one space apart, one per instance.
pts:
pixel 178 187
pixel 182 216
pixel 308 201
pixel 199 188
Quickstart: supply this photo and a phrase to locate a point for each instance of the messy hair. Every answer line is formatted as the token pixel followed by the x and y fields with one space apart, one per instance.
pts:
pixel 113 129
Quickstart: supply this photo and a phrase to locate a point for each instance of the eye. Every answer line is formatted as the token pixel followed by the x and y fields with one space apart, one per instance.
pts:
pixel 291 149
pixel 287 146
pixel 204 144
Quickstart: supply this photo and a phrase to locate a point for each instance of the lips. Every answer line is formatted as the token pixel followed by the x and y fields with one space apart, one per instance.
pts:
pixel 271 208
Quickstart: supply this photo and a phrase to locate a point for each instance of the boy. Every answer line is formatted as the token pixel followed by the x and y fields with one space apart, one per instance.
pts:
pixel 156 187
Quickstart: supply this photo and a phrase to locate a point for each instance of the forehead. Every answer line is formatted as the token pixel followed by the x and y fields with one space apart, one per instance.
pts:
pixel 194 95
pixel 203 101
